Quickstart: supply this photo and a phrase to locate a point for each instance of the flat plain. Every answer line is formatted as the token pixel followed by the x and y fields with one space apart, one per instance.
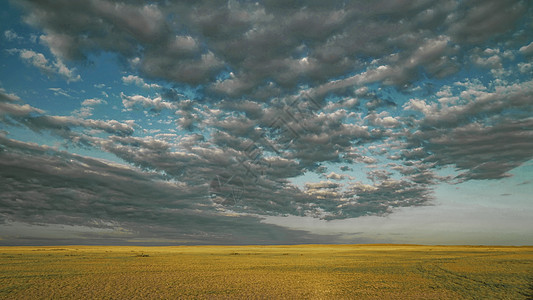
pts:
pixel 269 272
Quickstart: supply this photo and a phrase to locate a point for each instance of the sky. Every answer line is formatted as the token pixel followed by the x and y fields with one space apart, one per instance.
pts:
pixel 266 122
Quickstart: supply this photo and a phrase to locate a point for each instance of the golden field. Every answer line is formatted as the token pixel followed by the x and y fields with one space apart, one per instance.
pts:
pixel 270 272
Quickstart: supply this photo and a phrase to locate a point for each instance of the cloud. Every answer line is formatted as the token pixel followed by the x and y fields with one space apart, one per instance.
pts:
pixel 353 157
pixel 155 104
pixel 525 67
pixel 139 82
pixel 87 107
pixel 271 47
pixel 382 120
pixel 482 132
pixel 6 97
pixel 10 35
pixel 83 112
pixel 336 176
pixel 477 21
pixel 260 95
pixel 39 61
pixel 482 151
pixel 472 102
pixel 10 107
pixel 493 62
pixel 527 50
pixel 381 197
pixel 60 91
pixel 64 126
pixel 122 28
pixel 44 186
pixel 336 201
pixel 92 102
pixel 323 190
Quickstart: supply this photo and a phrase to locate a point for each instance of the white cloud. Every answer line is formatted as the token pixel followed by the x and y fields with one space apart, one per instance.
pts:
pixel 527 50
pixel 525 67
pixel 336 176
pixel 7 96
pixel 473 99
pixel 382 119
pixel 155 104
pixel 39 61
pixel 60 91
pixel 87 107
pixel 493 62
pixel 84 112
pixel 133 79
pixel 10 35
pixel 92 102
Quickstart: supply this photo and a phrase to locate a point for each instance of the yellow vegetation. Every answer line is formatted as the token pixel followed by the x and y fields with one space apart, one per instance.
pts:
pixel 273 272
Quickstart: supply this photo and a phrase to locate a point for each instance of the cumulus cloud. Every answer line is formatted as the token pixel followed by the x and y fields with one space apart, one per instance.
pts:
pixel 274 47
pixel 473 25
pixel 381 197
pixel 39 61
pixel 473 101
pixel 283 44
pixel 92 102
pixel 527 49
pixel 493 62
pixel 483 132
pixel 87 107
pixel 525 67
pixel 155 104
pixel 382 120
pixel 481 151
pixel 335 176
pixel 11 35
pixel 133 79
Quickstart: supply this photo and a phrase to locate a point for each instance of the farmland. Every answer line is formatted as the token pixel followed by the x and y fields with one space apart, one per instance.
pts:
pixel 295 272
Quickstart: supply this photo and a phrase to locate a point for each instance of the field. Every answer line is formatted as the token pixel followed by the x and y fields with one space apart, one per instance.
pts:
pixel 273 272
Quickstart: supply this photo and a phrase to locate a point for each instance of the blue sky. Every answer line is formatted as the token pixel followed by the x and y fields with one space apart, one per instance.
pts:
pixel 269 122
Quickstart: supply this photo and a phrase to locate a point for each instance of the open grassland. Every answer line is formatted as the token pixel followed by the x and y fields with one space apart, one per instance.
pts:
pixel 273 272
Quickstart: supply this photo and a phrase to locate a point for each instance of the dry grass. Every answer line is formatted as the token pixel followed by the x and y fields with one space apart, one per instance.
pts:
pixel 273 272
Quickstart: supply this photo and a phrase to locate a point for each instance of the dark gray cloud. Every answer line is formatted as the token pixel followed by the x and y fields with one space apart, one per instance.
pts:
pixel 481 152
pixel 41 185
pixel 14 112
pixel 268 46
pixel 124 28
pixel 474 103
pixel 240 153
pixel 483 133
pixel 472 22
